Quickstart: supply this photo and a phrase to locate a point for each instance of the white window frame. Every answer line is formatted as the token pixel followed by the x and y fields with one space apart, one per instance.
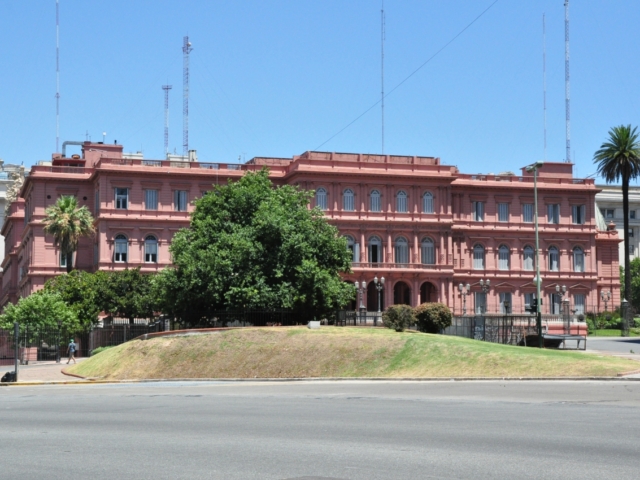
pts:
pixel 180 200
pixel 348 201
pixel 505 296
pixel 527 213
pixel 428 251
pixel 553 213
pixel 503 212
pixel 480 300
pixel 477 211
pixel 120 249
pixel 377 242
pixel 528 258
pixel 63 260
pixel 554 252
pixel 150 244
pixel 504 257
pixel 579 303
pixel 353 247
pixel 121 198
pixel 151 199
pixel 402 203
pixel 528 299
pixel 375 202
pixel 401 250
pixel 578 260
pixel 578 214
pixel 479 254
pixel 427 202
pixel 321 198
pixel 555 304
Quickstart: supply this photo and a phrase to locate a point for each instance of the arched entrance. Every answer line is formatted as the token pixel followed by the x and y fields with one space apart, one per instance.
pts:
pixel 372 298
pixel 428 293
pixel 401 294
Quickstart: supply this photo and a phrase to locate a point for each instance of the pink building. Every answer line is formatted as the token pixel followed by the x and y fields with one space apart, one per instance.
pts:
pixel 422 225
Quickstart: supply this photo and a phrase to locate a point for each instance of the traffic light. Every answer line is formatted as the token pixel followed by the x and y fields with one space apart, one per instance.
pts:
pixel 533 308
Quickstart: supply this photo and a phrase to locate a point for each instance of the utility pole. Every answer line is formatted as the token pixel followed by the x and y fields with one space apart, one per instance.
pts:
pixel 166 89
pixel 186 50
pixel 567 93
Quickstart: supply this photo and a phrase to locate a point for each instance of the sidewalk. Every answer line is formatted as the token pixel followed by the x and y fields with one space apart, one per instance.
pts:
pixel 42 371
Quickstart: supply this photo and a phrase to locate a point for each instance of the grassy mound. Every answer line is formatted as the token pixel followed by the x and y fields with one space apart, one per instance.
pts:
pixel 336 352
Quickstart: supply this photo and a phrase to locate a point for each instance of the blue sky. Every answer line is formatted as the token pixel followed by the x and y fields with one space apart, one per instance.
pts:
pixel 277 78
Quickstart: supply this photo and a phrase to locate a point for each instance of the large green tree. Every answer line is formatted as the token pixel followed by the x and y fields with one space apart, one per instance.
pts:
pixel 127 293
pixel 67 223
pixel 618 159
pixel 253 245
pixel 40 309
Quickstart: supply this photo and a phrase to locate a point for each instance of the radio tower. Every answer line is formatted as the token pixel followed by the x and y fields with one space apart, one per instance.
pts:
pixel 166 89
pixel 544 83
pixel 382 36
pixel 566 79
pixel 57 75
pixel 186 49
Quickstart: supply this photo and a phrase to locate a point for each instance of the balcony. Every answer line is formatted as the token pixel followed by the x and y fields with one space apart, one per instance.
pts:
pixel 397 266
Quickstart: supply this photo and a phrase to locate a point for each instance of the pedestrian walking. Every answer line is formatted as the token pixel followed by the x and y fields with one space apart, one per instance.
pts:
pixel 71 351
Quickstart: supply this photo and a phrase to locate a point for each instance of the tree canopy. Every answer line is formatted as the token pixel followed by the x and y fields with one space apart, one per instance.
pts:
pixel 67 223
pixel 83 292
pixel 619 159
pixel 40 309
pixel 253 245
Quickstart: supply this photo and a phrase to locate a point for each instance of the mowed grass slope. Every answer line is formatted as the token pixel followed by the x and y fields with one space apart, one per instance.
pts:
pixel 283 352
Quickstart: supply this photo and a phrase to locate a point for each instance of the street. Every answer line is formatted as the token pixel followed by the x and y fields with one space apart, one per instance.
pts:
pixel 340 430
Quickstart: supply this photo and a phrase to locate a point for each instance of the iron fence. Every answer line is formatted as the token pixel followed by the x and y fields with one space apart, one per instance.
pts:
pixel 352 318
pixel 249 318
pixel 504 329
pixel 40 344
pixel 115 334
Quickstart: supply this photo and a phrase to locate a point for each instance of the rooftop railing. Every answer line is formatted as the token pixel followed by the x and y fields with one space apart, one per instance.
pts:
pixel 519 179
pixel 132 162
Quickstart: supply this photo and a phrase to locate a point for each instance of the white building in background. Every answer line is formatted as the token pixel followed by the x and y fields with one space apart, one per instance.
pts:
pixel 609 202
pixel 6 181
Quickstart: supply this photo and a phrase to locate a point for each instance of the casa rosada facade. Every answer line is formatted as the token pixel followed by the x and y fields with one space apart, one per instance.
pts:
pixel 423 226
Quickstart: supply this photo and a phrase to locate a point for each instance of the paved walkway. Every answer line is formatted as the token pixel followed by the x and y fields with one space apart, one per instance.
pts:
pixel 41 371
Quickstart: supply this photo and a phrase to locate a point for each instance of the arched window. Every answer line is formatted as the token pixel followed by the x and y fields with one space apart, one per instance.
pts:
pixel 375 250
pixel 528 258
pixel 402 250
pixel 428 251
pixel 427 203
pixel 321 198
pixel 151 249
pixel 478 257
pixel 375 201
pixel 354 248
pixel 401 202
pixel 578 260
pixel 121 249
pixel 348 202
pixel 504 257
pixel 554 259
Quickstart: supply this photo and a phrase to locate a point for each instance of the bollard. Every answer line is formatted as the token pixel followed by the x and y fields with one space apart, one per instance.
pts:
pixel 625 312
pixel 16 338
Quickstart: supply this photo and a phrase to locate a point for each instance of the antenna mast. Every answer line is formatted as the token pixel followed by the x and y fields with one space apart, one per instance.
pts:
pixel 382 37
pixel 544 82
pixel 186 49
pixel 566 79
pixel 57 75
pixel 166 89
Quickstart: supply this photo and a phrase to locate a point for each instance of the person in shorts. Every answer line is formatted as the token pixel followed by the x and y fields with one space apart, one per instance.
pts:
pixel 71 351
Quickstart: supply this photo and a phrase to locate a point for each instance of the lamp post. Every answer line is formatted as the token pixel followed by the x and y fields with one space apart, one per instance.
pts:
pixel 379 286
pixel 485 285
pixel 564 302
pixel 360 287
pixel 534 168
pixel 58 342
pixel 605 296
pixel 464 291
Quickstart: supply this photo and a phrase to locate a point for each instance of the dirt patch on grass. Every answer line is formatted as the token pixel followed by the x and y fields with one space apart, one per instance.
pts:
pixel 336 352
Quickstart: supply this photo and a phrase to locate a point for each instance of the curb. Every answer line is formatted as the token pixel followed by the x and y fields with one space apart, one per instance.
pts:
pixel 88 381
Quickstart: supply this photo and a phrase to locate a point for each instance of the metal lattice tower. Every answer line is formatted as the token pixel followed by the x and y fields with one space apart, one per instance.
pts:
pixel 57 75
pixel 544 82
pixel 567 92
pixel 166 89
pixel 186 49
pixel 382 38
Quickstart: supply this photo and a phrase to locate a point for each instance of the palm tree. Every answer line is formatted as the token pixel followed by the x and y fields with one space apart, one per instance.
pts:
pixel 619 158
pixel 67 223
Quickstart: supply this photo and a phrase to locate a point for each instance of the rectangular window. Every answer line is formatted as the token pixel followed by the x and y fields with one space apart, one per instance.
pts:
pixel 122 198
pixel 120 252
pixel 553 213
pixel 505 297
pixel 632 249
pixel 528 299
pixel 63 260
pixel 632 214
pixel 503 212
pixel 151 199
pixel 554 304
pixel 608 213
pixel 180 201
pixel 528 259
pixel 578 214
pixel 527 213
pixel 503 258
pixel 631 233
pixel 578 303
pixel 477 213
pixel 375 203
pixel 478 259
pixel 481 303
pixel 97 202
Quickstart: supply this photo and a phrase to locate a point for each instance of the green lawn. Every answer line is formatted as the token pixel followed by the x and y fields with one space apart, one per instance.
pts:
pixel 285 352
pixel 633 332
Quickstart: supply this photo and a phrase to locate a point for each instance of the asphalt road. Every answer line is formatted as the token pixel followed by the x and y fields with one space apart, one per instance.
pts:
pixel 622 345
pixel 313 430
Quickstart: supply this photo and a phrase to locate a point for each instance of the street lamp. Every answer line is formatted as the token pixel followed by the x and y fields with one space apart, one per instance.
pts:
pixel 605 296
pixel 379 286
pixel 464 291
pixel 485 285
pixel 534 167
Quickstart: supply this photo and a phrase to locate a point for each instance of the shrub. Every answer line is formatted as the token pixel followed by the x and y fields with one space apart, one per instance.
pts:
pixel 95 351
pixel 398 317
pixel 433 317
